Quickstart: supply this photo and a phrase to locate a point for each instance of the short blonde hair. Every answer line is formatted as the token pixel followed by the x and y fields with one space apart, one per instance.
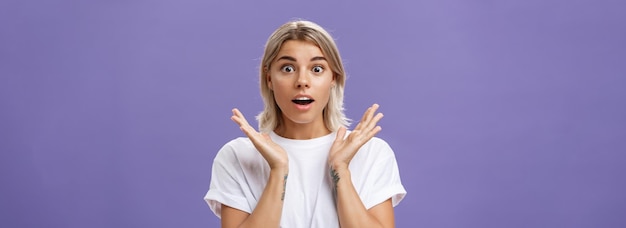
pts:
pixel 271 116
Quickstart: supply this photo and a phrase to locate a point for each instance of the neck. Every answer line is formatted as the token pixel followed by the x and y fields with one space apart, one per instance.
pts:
pixel 293 130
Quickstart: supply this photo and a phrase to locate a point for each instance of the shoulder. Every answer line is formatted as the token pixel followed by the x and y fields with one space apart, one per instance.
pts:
pixel 378 144
pixel 373 143
pixel 376 149
pixel 236 148
pixel 238 143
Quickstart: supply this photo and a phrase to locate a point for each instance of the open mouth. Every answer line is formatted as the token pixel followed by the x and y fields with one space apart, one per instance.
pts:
pixel 302 100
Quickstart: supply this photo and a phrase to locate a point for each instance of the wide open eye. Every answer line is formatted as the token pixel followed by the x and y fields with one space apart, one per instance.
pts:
pixel 288 69
pixel 318 69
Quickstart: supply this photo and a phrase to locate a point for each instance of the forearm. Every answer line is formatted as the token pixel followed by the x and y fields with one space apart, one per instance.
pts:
pixel 350 208
pixel 268 211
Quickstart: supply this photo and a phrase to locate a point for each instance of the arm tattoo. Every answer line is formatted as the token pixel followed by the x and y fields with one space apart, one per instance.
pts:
pixel 284 187
pixel 335 176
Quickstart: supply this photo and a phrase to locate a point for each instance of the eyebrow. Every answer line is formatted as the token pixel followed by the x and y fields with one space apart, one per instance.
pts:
pixel 316 58
pixel 287 58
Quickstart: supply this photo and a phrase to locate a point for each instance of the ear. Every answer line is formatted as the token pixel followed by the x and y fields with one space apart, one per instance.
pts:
pixel 268 78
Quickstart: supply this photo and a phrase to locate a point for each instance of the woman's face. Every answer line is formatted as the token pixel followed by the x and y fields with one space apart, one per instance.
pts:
pixel 301 79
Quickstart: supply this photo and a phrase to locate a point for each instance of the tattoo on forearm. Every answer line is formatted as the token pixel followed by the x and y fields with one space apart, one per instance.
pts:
pixel 284 187
pixel 335 176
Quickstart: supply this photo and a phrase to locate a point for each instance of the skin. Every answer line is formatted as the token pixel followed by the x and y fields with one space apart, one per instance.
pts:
pixel 300 68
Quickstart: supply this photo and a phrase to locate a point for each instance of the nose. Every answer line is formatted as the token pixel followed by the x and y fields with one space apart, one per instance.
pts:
pixel 303 80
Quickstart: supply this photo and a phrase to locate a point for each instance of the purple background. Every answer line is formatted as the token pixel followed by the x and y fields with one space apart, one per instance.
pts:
pixel 501 113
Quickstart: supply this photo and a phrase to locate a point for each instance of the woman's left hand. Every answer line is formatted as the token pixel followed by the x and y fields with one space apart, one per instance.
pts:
pixel 344 148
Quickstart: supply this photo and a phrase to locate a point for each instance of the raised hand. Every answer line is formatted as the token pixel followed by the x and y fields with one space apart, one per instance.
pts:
pixel 275 155
pixel 344 148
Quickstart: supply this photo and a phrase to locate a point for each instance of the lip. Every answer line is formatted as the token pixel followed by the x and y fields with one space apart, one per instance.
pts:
pixel 303 107
pixel 306 106
pixel 303 95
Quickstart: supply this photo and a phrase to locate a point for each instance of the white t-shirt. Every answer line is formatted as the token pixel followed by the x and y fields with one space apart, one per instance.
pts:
pixel 240 174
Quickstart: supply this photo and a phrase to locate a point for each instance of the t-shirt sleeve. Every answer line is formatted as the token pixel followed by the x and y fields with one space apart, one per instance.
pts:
pixel 383 180
pixel 225 188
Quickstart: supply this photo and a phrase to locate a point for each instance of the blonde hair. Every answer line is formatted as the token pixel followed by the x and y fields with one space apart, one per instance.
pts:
pixel 271 116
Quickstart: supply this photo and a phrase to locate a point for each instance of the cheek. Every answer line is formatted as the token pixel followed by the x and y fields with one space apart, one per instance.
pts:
pixel 325 92
pixel 281 94
pixel 327 85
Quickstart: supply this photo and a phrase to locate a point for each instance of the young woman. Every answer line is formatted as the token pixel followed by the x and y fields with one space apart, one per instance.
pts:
pixel 303 168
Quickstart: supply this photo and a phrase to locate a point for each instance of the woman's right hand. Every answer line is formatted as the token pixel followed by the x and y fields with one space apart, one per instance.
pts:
pixel 275 155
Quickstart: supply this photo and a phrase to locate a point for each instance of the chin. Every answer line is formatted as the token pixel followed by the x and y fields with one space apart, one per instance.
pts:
pixel 300 118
